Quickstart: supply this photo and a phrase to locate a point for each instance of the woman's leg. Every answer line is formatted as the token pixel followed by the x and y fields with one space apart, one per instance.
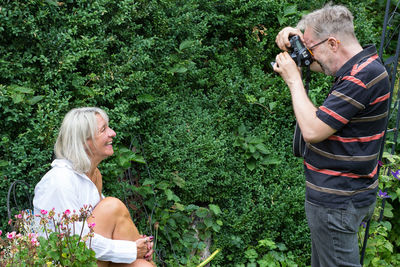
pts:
pixel 112 220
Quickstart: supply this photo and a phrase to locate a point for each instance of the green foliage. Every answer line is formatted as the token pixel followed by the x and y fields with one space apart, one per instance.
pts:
pixel 181 228
pixel 182 77
pixel 383 243
pixel 267 253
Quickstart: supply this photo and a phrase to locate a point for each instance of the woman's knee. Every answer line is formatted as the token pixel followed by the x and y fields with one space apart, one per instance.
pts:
pixel 113 206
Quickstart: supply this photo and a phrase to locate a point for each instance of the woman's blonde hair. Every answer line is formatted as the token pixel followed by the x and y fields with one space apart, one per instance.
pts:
pixel 78 126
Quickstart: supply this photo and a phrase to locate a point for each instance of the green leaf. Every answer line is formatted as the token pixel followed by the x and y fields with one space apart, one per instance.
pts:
pixel 186 44
pixel 251 164
pixel 52 2
pixel 262 148
pixel 267 243
pixel 178 69
pixel 32 101
pixel 208 221
pixel 145 98
pixel 137 158
pixel 290 10
pixel 272 105
pixel 215 209
pixel 179 181
pixel 242 129
pixel 282 20
pixel 202 212
pixel 148 182
pixel 170 194
pixel 17 98
pixel 270 161
pixel 20 89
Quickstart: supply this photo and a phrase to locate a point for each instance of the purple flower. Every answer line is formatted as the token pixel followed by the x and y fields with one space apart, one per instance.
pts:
pixel 380 163
pixel 363 224
pixel 383 194
pixel 396 174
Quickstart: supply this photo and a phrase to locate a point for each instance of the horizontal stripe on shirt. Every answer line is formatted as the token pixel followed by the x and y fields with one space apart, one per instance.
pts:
pixel 356 139
pixel 371 118
pixel 341 192
pixel 341 157
pixel 344 174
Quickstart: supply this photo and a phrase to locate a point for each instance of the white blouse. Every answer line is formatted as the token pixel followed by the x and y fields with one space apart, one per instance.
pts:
pixel 63 188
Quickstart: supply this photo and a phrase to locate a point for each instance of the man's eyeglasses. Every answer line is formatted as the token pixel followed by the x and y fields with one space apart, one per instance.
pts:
pixel 312 47
pixel 323 41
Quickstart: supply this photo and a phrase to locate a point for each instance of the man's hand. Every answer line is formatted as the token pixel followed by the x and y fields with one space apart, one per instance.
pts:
pixel 144 248
pixel 282 39
pixel 287 68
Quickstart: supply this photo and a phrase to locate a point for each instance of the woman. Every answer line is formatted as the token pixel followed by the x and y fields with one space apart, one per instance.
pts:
pixel 84 140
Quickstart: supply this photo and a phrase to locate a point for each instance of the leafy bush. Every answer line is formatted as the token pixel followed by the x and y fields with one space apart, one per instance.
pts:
pixel 189 89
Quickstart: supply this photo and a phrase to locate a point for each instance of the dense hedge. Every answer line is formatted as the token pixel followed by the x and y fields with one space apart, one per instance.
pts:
pixel 186 82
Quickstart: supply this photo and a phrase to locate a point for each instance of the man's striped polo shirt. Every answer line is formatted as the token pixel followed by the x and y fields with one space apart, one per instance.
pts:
pixel 344 166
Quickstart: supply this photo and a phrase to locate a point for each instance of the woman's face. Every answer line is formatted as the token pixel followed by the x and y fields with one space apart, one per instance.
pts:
pixel 101 145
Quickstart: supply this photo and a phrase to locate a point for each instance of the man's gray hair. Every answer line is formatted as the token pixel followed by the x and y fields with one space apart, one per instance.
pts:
pixel 331 20
pixel 78 126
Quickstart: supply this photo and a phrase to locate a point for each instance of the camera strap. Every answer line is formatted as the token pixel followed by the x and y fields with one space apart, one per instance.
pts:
pixel 298 144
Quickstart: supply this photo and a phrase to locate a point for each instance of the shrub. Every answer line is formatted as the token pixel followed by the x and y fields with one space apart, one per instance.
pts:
pixel 188 87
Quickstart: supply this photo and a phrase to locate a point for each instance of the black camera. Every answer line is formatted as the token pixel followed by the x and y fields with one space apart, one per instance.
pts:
pixel 299 53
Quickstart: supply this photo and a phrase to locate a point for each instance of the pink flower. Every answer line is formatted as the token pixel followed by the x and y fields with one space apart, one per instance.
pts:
pixel 67 212
pixel 43 212
pixel 19 216
pixel 18 235
pixel 35 242
pixel 32 235
pixel 92 225
pixel 11 235
pixel 1 232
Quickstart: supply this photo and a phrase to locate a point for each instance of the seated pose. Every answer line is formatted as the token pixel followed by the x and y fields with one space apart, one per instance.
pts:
pixel 84 140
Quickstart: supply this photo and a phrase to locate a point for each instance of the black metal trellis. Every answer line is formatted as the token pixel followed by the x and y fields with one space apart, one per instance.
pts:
pixel 13 201
pixel 390 29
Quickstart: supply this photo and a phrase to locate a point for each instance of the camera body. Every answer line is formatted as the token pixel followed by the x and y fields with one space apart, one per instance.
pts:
pixel 299 53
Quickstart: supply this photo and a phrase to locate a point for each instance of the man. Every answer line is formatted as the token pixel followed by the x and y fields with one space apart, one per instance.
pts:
pixel 343 136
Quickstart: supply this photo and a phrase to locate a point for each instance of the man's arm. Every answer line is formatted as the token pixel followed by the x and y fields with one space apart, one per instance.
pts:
pixel 312 128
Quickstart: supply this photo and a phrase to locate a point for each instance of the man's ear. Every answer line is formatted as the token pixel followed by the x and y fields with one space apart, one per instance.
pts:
pixel 333 43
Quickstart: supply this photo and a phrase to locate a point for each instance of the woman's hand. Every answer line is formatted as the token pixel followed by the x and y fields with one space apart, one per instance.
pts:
pixel 144 248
